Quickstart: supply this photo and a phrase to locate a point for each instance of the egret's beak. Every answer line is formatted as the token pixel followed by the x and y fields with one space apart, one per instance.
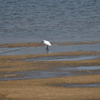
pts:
pixel 42 42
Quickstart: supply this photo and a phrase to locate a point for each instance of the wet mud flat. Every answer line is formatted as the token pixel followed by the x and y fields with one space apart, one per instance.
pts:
pixel 52 76
pixel 49 65
pixel 63 88
pixel 14 63
pixel 25 79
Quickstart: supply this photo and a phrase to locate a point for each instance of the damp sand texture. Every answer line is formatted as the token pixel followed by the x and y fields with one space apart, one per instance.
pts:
pixel 48 88
pixel 44 89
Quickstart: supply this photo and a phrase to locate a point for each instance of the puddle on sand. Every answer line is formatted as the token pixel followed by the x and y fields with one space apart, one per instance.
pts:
pixel 78 85
pixel 37 75
pixel 62 58
pixel 81 68
pixel 54 72
pixel 77 58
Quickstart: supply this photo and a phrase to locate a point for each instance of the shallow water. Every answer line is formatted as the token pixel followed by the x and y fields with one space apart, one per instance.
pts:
pixel 62 58
pixel 53 49
pixel 55 72
pixel 78 85
pixel 75 58
pixel 82 68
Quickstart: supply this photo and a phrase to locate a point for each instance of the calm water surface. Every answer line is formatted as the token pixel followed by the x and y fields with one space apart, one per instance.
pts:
pixel 54 20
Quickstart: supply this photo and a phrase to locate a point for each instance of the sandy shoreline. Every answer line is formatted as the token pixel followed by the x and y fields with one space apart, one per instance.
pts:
pixel 43 89
pixel 48 88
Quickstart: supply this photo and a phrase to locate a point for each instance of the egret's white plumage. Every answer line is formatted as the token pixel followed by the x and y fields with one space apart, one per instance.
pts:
pixel 47 43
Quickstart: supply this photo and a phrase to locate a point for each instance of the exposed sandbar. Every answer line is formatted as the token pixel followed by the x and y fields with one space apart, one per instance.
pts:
pixel 12 45
pixel 43 89
pixel 78 43
pixel 15 63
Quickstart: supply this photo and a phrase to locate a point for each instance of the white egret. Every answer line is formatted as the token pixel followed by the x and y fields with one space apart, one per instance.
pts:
pixel 47 43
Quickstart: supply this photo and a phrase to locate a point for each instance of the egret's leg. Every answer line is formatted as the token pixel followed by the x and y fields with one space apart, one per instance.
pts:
pixel 47 48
